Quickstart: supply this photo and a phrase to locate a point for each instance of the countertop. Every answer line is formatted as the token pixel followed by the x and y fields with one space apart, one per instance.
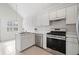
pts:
pixel 71 35
pixel 29 32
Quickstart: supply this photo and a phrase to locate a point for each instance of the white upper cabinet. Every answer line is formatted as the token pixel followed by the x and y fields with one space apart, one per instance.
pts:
pixel 52 15
pixel 71 14
pixel 57 14
pixel 60 13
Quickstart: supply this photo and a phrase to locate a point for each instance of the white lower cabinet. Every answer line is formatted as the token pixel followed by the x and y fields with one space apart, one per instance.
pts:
pixel 24 40
pixel 71 46
pixel 44 41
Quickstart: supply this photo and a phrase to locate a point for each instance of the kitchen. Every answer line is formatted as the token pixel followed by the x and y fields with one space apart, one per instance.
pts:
pixel 58 25
pixel 41 28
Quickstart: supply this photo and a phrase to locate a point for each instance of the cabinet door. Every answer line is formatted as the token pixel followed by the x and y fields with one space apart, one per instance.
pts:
pixel 71 46
pixel 52 15
pixel 61 13
pixel 39 40
pixel 71 15
pixel 27 40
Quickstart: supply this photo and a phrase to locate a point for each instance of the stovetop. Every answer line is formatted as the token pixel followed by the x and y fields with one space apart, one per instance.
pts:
pixel 58 33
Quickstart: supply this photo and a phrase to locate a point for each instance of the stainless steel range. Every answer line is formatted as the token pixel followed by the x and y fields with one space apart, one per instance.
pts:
pixel 56 40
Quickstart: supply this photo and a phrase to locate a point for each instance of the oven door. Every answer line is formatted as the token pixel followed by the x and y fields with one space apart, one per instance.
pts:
pixel 56 44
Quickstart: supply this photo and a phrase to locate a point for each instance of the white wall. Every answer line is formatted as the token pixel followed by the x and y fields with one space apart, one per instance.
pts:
pixel 28 18
pixel 6 14
pixel 42 19
pixel 29 24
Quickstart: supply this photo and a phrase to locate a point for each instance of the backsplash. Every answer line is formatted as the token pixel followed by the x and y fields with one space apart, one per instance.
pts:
pixel 43 29
pixel 58 24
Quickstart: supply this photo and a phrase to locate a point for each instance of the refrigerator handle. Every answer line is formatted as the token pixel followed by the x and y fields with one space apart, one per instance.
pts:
pixel 77 30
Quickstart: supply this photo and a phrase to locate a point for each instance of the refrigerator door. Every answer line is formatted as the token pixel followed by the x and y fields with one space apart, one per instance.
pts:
pixel 77 29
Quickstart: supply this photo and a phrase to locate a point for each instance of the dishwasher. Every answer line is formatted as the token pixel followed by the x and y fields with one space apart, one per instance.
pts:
pixel 39 40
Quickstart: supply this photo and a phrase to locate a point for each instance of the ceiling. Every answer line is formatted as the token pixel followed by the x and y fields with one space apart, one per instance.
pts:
pixel 27 10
